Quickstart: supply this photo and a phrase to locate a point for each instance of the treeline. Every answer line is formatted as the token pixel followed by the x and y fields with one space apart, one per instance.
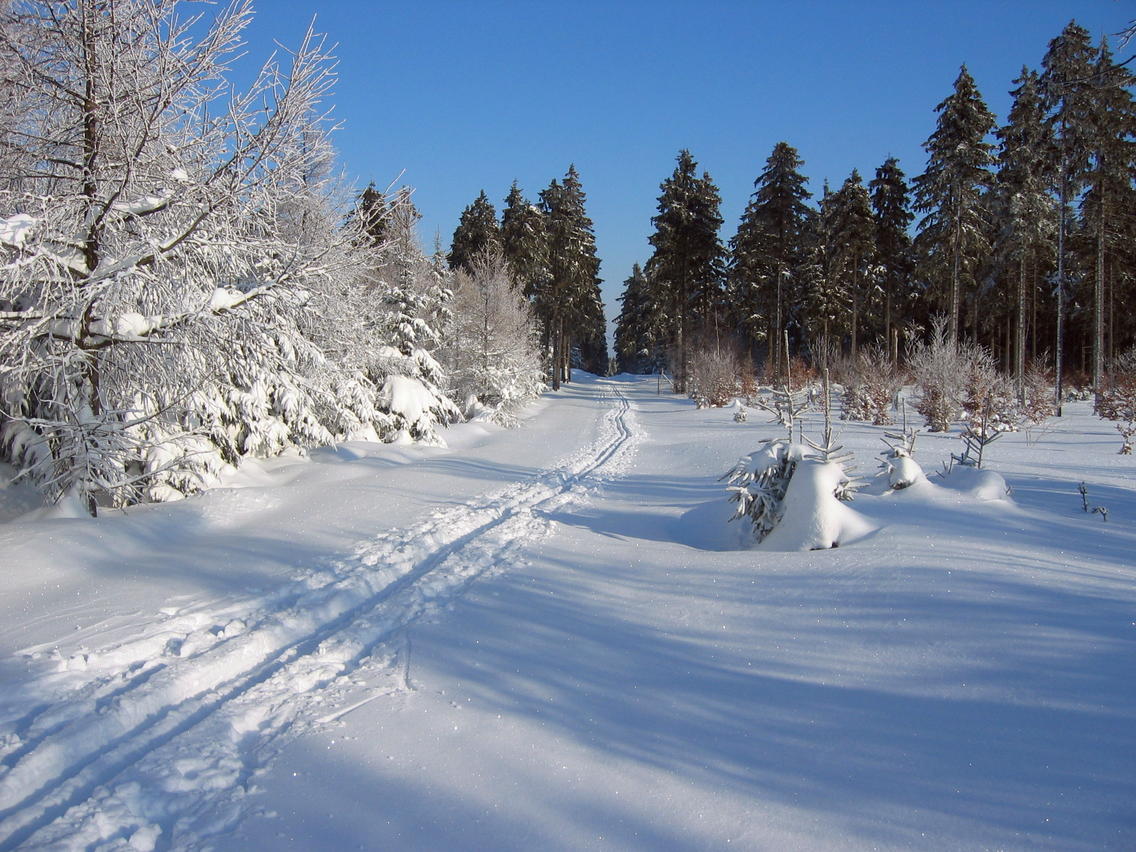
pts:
pixel 1024 240
pixel 550 252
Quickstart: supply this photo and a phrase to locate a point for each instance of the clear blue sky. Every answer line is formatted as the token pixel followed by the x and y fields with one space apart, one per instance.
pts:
pixel 465 95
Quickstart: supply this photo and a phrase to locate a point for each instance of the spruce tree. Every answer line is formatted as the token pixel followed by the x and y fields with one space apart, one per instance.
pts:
pixel 371 209
pixel 1110 199
pixel 1024 209
pixel 950 194
pixel 688 264
pixel 892 215
pixel 855 237
pixel 1067 69
pixel 769 250
pixel 524 242
pixel 570 305
pixel 476 234
pixel 827 307
pixel 638 346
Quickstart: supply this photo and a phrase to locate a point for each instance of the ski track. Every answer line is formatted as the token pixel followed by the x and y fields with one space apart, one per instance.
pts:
pixel 198 706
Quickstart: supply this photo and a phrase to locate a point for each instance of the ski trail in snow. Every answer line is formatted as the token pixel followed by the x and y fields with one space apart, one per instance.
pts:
pixel 195 710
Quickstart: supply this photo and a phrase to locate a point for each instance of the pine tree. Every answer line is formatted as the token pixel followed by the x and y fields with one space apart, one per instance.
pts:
pixel 638 345
pixel 570 306
pixel 827 308
pixel 855 243
pixel 687 266
pixel 1110 199
pixel 371 209
pixel 892 215
pixel 524 242
pixel 1023 207
pixel 950 192
pixel 769 249
pixel 476 234
pixel 1067 69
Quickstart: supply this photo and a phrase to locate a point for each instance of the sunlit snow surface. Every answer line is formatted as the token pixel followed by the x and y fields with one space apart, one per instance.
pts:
pixel 551 638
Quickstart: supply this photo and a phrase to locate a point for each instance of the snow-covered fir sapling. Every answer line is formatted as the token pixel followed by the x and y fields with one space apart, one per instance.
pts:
pixel 1083 490
pixel 1118 401
pixel 794 491
pixel 871 381
pixel 976 436
pixel 898 463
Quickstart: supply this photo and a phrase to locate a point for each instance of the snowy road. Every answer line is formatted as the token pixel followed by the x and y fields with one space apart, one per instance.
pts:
pixel 189 709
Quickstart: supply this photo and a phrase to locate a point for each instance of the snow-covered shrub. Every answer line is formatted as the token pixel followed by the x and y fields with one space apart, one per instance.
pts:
pixel 717 374
pixel 1037 395
pixel 957 381
pixel 871 382
pixel 990 401
pixel 758 481
pixel 492 350
pixel 793 496
pixel 898 465
pixel 1118 402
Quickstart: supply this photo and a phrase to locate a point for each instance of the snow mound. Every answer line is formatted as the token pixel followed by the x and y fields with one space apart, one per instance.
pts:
pixel 902 470
pixel 978 484
pixel 812 517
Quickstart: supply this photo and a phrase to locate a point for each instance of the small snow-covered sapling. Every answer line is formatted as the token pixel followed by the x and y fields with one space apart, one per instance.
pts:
pixel 1083 490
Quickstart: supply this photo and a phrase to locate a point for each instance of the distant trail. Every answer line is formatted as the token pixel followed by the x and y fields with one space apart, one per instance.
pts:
pixel 193 709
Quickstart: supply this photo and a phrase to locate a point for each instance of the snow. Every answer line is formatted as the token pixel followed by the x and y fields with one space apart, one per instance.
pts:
pixel 549 637
pixel 15 229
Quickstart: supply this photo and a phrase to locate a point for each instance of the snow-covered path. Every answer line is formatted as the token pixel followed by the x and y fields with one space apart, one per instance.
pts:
pixel 187 713
pixel 474 649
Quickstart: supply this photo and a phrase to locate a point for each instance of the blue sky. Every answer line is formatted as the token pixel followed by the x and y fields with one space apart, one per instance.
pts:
pixel 464 95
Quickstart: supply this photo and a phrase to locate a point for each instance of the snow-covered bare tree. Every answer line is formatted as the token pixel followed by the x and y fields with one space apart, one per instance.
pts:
pixel 492 350
pixel 156 250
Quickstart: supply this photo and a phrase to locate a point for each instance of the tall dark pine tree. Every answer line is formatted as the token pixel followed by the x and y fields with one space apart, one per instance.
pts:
pixel 827 307
pixel 1109 205
pixel 372 209
pixel 855 245
pixel 524 242
pixel 952 234
pixel 477 233
pixel 769 250
pixel 1067 70
pixel 638 344
pixel 570 305
pixel 1023 207
pixel 892 215
pixel 688 264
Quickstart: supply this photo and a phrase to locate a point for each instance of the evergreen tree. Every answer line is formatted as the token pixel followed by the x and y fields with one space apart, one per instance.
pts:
pixel 476 234
pixel 1023 207
pixel 638 346
pixel 524 242
pixel 855 243
pixel 950 192
pixel 892 216
pixel 827 307
pixel 1067 69
pixel 1109 204
pixel 769 249
pixel 687 267
pixel 570 306
pixel 371 210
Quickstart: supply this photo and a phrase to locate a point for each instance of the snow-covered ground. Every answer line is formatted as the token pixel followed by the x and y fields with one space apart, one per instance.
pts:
pixel 550 638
